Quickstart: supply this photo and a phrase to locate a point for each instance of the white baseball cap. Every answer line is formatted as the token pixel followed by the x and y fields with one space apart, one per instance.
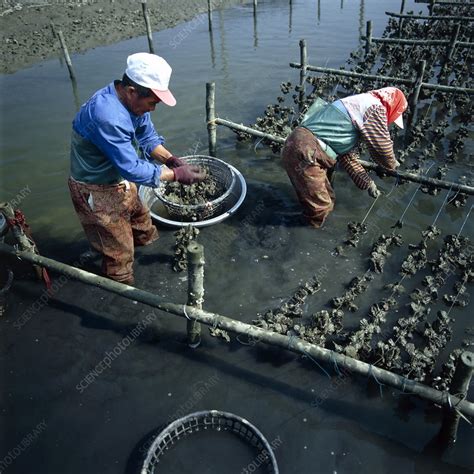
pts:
pixel 399 121
pixel 152 71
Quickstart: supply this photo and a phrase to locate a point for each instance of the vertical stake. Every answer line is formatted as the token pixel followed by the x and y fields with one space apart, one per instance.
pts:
pixel 290 19
pixel 459 387
pixel 416 90
pixel 400 21
pixel 432 4
pixel 368 37
pixel 211 116
pixel 24 243
pixel 148 27
pixel 303 70
pixel 66 55
pixel 195 290
pixel 254 7
pixel 209 14
pixel 452 45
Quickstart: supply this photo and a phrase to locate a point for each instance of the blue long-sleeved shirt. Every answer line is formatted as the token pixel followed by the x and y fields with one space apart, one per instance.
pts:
pixel 103 139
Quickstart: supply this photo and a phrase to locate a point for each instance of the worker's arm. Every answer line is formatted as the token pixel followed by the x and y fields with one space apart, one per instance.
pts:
pixel 152 143
pixel 349 161
pixel 161 154
pixel 374 132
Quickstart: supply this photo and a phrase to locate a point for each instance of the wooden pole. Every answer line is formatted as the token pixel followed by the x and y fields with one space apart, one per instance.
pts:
pixel 459 387
pixel 432 4
pixel 149 34
pixel 400 21
pixel 303 71
pixel 368 37
pixel 341 72
pixel 392 80
pixel 452 45
pixel 209 14
pixel 448 2
pixel 416 91
pixel 432 18
pixel 255 32
pixel 290 19
pixel 429 42
pixel 254 7
pixel 75 94
pixel 66 54
pixel 211 117
pixel 413 177
pixel 195 290
pixel 290 343
pixel 20 237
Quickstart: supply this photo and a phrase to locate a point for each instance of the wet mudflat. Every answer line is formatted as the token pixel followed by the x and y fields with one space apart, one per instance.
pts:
pixel 254 263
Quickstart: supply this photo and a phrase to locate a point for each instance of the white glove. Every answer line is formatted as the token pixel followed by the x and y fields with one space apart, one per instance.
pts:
pixel 373 190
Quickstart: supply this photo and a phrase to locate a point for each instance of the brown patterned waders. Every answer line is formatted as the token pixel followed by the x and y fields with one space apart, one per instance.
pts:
pixel 307 166
pixel 114 221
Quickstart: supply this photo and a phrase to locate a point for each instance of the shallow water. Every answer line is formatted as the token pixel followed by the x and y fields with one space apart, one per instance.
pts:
pixel 253 261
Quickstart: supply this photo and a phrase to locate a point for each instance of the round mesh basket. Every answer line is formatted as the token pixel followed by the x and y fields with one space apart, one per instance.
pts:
pixel 211 420
pixel 220 174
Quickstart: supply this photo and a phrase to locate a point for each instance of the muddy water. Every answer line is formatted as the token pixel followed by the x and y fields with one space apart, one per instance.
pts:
pixel 253 261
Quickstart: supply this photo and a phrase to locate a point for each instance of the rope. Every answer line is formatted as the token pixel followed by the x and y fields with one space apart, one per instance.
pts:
pixel 442 205
pixel 370 209
pixel 397 181
pixel 456 297
pixel 465 220
pixel 449 400
pixel 375 378
pixel 403 387
pixel 291 338
pixel 322 369
pixel 336 367
pixel 414 194
pixel 256 144
pixel 244 343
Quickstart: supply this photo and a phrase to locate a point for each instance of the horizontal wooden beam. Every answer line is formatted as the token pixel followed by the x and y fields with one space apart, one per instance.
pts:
pixel 414 42
pixel 432 17
pixel 447 2
pixel 387 79
pixel 289 343
pixel 409 176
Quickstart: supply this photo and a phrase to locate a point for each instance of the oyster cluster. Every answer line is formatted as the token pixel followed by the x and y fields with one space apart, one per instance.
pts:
pixel 380 252
pixel 184 236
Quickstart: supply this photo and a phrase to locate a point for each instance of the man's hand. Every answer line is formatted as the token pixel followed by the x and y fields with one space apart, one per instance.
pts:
pixel 188 174
pixel 397 164
pixel 174 162
pixel 373 190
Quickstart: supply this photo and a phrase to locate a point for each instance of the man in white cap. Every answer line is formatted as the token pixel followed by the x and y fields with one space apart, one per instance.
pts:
pixel 105 165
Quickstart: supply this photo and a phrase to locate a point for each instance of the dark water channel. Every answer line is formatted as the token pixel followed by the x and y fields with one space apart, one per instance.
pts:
pixel 253 261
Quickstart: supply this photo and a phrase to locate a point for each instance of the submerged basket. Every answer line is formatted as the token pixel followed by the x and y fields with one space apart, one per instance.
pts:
pixel 212 420
pixel 219 172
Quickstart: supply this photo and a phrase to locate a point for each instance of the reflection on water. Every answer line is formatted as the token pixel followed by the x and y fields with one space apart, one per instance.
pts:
pixel 361 18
